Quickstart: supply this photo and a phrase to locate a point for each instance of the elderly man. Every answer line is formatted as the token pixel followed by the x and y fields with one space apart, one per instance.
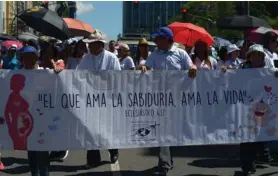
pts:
pixel 99 59
pixel 112 47
pixel 167 56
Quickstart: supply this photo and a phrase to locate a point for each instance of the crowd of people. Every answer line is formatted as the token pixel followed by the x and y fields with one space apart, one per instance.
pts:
pixel 90 53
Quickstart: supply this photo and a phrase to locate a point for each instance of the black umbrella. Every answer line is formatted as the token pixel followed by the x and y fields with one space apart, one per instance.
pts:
pixel 45 21
pixel 242 22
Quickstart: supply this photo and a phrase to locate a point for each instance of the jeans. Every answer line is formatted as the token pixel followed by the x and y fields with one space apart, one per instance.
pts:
pixel 39 163
pixel 248 154
pixel 165 158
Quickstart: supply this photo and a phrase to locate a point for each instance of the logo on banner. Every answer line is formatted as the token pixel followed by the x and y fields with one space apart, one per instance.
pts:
pixel 261 117
pixel 144 131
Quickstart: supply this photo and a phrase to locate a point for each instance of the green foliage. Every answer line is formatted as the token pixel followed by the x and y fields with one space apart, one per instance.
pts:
pixel 205 13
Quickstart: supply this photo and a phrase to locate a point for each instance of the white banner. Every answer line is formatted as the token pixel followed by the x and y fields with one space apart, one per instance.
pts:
pixel 41 110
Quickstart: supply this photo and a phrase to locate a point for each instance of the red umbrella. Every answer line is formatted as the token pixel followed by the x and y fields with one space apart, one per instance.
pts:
pixel 78 28
pixel 9 43
pixel 188 34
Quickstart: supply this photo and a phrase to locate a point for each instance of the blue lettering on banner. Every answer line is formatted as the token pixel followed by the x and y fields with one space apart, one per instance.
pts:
pixel 193 98
pixel 70 101
pixel 96 100
pixel 234 97
pixel 151 99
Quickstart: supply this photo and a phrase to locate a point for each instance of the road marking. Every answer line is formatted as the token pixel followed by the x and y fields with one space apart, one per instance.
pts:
pixel 116 170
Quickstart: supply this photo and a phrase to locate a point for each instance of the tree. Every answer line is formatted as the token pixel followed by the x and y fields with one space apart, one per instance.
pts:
pixel 206 13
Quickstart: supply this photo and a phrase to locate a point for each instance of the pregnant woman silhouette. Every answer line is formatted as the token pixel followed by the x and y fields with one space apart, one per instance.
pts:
pixel 18 118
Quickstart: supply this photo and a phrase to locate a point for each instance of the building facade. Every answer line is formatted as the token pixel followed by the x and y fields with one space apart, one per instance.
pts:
pixel 12 8
pixel 144 17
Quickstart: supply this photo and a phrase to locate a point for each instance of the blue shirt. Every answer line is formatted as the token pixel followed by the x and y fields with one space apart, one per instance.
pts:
pixel 174 59
pixel 13 64
pixel 233 63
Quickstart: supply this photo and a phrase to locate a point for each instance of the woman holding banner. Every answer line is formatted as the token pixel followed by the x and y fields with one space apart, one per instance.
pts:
pixel 255 58
pixel 201 57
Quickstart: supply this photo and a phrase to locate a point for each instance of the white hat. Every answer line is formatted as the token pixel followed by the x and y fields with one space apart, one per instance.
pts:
pixel 232 48
pixel 71 41
pixel 13 47
pixel 96 36
pixel 255 48
pixel 122 46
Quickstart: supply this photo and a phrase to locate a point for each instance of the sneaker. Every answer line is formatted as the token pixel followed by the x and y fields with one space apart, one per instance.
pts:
pixel 160 172
pixel 91 166
pixel 2 167
pixel 58 155
pixel 66 153
pixel 114 158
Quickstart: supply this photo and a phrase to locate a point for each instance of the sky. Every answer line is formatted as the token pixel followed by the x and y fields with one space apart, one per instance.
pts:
pixel 103 15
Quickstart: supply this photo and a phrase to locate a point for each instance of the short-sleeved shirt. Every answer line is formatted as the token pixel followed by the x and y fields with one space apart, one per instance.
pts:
pixel 201 64
pixel 142 61
pixel 73 62
pixel 269 58
pixel 174 59
pixel 13 64
pixel 104 61
pixel 127 63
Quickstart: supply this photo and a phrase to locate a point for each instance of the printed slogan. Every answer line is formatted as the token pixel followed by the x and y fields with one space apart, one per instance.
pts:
pixel 42 110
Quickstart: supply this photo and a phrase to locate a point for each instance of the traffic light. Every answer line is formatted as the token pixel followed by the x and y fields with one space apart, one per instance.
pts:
pixel 183 10
pixel 184 14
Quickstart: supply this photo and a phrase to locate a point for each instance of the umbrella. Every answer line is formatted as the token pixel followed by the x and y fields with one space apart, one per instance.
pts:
pixel 255 35
pixel 242 22
pixel 45 21
pixel 219 42
pixel 78 28
pixel 239 44
pixel 188 34
pixel 260 30
pixel 27 36
pixel 8 43
pixel 4 36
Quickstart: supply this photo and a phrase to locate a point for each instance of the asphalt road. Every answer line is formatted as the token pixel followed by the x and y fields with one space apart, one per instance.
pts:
pixel 189 161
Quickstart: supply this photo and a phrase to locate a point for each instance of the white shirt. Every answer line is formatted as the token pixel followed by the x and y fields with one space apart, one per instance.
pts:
pixel 142 61
pixel 201 64
pixel 269 58
pixel 127 63
pixel 114 52
pixel 174 59
pixel 104 61
pixel 220 64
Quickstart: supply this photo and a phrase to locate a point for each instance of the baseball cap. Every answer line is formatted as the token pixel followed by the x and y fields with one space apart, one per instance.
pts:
pixel 164 32
pixel 28 49
pixel 232 48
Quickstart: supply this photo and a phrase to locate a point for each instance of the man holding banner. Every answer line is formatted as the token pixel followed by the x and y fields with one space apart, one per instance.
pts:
pixel 167 57
pixel 99 59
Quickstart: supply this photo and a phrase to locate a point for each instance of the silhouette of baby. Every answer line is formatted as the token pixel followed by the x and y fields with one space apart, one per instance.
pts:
pixel 261 115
